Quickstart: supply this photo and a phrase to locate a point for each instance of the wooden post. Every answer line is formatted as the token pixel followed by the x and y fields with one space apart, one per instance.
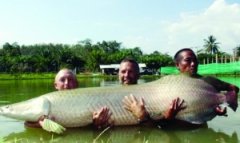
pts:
pixel 216 57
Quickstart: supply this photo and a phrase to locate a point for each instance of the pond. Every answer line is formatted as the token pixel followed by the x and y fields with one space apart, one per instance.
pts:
pixel 220 129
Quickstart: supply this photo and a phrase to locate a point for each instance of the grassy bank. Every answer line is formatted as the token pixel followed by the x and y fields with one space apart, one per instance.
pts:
pixel 26 76
pixel 6 76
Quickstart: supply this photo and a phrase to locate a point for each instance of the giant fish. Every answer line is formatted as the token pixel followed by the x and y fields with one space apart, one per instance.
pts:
pixel 74 108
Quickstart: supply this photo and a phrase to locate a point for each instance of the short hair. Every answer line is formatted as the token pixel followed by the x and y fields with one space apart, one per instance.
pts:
pixel 130 60
pixel 177 57
pixel 68 70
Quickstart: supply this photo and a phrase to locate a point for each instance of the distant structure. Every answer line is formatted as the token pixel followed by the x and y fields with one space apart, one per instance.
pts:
pixel 112 69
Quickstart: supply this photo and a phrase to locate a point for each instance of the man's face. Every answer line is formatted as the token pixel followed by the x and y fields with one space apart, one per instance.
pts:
pixel 65 80
pixel 128 73
pixel 188 63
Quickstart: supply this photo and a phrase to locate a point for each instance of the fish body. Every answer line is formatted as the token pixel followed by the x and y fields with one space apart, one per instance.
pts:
pixel 74 108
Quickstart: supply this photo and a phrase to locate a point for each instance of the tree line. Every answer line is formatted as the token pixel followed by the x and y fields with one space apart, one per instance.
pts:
pixel 86 56
pixel 83 56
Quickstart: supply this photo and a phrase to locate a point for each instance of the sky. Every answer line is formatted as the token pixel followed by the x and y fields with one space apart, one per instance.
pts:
pixel 153 25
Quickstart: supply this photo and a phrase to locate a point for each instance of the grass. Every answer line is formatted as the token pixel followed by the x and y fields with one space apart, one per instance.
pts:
pixel 26 76
pixel 6 76
pixel 95 140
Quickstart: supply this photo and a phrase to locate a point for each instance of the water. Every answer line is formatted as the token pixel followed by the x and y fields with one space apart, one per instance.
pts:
pixel 219 130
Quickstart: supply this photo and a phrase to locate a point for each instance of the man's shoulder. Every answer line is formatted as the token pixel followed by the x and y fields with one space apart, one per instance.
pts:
pixel 217 83
pixel 210 78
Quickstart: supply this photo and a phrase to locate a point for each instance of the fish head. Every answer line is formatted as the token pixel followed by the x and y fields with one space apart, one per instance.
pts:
pixel 30 110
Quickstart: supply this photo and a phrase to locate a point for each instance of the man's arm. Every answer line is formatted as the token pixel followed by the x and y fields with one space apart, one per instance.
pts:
pixel 139 111
pixel 220 85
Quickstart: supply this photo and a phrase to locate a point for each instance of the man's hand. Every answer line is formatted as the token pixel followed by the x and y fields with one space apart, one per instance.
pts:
pixel 221 111
pixel 136 107
pixel 101 118
pixel 176 106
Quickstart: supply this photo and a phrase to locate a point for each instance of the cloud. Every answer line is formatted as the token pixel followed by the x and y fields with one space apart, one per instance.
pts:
pixel 151 32
pixel 220 19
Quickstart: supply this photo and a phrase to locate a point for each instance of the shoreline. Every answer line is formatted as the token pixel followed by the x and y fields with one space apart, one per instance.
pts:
pixel 30 76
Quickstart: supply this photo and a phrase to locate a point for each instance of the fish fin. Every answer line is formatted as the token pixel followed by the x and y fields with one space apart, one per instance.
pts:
pixel 52 126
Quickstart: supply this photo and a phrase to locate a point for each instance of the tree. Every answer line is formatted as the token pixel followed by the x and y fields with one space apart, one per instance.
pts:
pixel 11 57
pixel 237 51
pixel 83 56
pixel 12 50
pixel 156 60
pixel 211 46
pixel 109 47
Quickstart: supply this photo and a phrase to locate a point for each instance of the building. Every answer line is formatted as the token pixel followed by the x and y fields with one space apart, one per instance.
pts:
pixel 113 68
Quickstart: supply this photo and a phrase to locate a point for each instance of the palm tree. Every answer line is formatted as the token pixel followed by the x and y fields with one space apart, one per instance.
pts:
pixel 237 51
pixel 211 46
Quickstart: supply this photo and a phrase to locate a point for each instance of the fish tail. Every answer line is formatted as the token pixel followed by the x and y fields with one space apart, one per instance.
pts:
pixel 232 98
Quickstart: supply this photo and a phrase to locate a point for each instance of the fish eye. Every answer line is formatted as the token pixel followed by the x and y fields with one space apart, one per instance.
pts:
pixel 8 107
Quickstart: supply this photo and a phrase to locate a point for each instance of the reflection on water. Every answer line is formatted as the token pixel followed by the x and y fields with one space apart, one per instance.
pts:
pixel 220 129
pixel 133 134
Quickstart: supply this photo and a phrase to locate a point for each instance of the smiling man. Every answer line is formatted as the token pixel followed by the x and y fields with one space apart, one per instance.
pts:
pixel 128 72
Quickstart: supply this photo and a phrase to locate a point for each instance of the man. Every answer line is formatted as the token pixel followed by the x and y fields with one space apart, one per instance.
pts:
pixel 128 74
pixel 65 79
pixel 187 63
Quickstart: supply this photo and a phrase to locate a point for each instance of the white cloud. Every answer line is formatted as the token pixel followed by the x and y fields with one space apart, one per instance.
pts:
pixel 220 19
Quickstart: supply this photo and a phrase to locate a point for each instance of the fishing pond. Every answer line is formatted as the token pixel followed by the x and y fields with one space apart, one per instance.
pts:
pixel 219 130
